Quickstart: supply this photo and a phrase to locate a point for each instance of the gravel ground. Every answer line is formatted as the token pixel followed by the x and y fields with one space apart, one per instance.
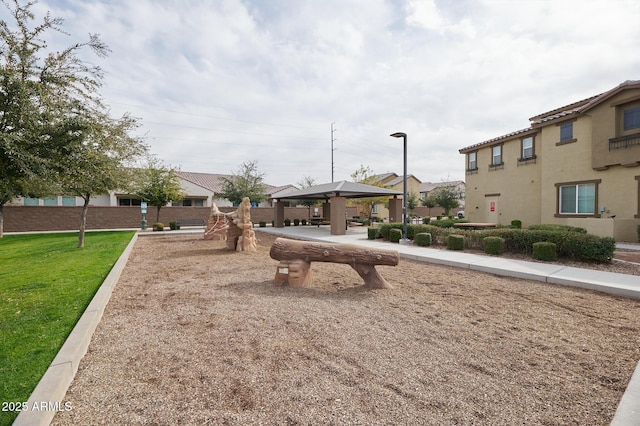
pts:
pixel 195 334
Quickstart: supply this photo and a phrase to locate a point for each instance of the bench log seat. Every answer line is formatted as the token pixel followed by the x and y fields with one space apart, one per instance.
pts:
pixel 295 258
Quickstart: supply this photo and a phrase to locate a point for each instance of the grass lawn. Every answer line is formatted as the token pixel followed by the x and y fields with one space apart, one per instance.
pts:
pixel 46 283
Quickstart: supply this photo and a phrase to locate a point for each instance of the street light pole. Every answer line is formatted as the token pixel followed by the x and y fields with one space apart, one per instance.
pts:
pixel 404 188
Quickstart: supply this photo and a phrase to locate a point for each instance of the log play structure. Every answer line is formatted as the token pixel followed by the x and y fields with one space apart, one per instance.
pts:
pixel 295 258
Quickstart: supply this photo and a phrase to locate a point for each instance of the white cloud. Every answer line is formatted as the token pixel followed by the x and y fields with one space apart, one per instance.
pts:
pixel 220 83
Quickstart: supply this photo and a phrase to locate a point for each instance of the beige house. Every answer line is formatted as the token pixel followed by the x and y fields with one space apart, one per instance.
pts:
pixel 395 182
pixel 575 165
pixel 200 189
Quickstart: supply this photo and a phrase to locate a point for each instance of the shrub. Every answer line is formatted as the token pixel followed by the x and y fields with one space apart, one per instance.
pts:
pixel 423 239
pixel 516 224
pixel 287 222
pixel 493 245
pixel 638 232
pixel 544 251
pixel 372 233
pixel 439 217
pixel 455 242
pixel 296 222
pixel 158 226
pixel 557 228
pixel 446 223
pixel 304 222
pixel 386 227
pixel 395 235
pixel 174 225
pixel 426 220
pixel 263 224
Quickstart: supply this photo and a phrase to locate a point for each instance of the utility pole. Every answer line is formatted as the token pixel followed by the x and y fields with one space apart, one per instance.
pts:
pixel 332 149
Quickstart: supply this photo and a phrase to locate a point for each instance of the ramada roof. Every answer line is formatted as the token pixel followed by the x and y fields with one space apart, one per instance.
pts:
pixel 573 109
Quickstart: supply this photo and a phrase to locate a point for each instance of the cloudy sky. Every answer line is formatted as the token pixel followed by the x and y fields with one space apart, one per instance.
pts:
pixel 216 83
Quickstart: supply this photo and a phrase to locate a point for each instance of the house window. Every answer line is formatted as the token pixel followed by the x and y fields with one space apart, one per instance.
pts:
pixel 527 148
pixel 374 209
pixel 472 160
pixel 566 132
pixel 496 155
pixel 68 201
pixel 29 201
pixel 577 198
pixel 50 201
pixel 632 118
pixel 129 201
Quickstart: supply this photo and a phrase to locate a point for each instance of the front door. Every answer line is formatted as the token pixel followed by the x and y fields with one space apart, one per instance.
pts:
pixel 492 212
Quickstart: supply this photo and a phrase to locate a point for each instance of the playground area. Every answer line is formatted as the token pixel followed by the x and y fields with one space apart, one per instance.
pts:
pixel 199 334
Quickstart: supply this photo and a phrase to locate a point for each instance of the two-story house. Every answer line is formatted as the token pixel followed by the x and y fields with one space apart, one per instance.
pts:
pixel 575 165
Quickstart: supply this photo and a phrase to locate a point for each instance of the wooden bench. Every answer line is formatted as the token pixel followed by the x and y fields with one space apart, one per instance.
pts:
pixel 295 258
pixel 190 222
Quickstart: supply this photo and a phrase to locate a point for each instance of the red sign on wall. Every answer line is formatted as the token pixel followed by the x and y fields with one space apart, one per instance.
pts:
pixel 492 206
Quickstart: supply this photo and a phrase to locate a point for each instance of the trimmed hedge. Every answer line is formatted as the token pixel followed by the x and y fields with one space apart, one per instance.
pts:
pixel 455 242
pixel 423 239
pixel 372 233
pixel 516 224
pixel 544 251
pixel 395 235
pixel 571 242
pixel 493 245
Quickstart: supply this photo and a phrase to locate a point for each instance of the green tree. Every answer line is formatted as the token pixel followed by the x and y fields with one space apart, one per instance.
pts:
pixel 247 182
pixel 429 203
pixel 447 197
pixel 412 200
pixel 158 185
pixel 42 93
pixel 366 176
pixel 99 160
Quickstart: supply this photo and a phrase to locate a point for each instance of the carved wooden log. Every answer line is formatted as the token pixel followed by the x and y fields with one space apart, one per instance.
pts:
pixel 362 259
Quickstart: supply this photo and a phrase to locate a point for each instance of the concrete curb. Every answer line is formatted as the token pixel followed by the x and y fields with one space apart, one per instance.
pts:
pixel 47 397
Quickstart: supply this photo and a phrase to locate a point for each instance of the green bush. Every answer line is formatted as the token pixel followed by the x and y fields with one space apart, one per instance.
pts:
pixel 455 242
pixel 426 220
pixel 304 222
pixel 516 224
pixel 544 251
pixel 158 226
pixel 395 235
pixel 423 239
pixel 493 245
pixel 443 223
pixel 557 228
pixel 296 222
pixel 174 226
pixel 287 222
pixel 372 233
pixel 263 224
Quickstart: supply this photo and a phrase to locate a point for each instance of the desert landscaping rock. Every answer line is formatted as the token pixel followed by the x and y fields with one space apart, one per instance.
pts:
pixel 197 334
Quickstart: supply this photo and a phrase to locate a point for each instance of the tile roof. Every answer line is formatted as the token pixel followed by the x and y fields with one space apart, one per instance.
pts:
pixel 215 182
pixel 575 108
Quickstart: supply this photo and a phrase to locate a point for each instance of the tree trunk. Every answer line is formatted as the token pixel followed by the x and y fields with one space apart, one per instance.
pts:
pixel 83 221
pixel 1 219
pixel 158 213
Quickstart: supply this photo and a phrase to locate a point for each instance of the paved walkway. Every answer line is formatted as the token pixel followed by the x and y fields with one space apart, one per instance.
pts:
pixel 58 377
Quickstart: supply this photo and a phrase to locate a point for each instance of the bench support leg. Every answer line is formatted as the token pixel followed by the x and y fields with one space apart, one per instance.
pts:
pixel 294 272
pixel 371 277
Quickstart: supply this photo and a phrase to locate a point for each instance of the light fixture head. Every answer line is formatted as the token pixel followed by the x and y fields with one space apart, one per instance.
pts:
pixel 398 135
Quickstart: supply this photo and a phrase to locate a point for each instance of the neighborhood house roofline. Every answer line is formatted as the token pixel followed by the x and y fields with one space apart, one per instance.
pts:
pixel 574 109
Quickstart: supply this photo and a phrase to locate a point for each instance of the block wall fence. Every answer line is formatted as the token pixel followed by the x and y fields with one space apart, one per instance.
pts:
pixel 64 218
